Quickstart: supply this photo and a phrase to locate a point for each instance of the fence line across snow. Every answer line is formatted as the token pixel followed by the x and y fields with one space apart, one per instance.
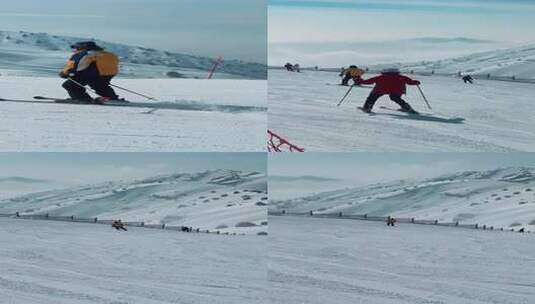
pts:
pixel 366 217
pixel 509 78
pixel 96 220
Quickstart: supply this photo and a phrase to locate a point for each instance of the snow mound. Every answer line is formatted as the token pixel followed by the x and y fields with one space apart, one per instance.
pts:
pixel 45 54
pixel 499 198
pixel 202 200
pixel 518 62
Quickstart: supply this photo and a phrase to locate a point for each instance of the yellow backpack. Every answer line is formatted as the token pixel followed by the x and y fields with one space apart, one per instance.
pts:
pixel 107 63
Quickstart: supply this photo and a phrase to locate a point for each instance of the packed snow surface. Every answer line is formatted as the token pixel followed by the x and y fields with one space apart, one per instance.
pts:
pixel 500 198
pixel 46 262
pixel 227 201
pixel 93 128
pixel 317 261
pixel 487 116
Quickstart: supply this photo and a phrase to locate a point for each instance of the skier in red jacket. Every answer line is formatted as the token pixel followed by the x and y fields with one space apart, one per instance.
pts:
pixel 392 83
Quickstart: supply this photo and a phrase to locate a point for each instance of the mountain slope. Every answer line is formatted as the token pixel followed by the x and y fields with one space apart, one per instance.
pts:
pixel 501 198
pixel 221 199
pixel 518 62
pixel 26 53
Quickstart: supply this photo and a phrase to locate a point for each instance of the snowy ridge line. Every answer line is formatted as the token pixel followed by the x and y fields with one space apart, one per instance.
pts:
pixel 487 76
pixel 95 220
pixel 366 217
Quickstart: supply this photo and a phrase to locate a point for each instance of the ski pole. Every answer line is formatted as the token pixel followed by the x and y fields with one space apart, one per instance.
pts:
pixel 423 95
pixel 130 91
pixel 82 86
pixel 347 93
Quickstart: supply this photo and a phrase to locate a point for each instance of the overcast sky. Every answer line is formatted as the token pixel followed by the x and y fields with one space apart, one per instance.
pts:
pixel 235 29
pixel 331 22
pixel 84 168
pixel 361 169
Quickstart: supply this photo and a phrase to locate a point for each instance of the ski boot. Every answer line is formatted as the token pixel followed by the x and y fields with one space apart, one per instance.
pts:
pixel 409 110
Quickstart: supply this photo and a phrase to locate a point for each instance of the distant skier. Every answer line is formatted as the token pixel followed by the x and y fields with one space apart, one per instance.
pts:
pixel 390 221
pixel 390 82
pixel 353 72
pixel 289 67
pixel 118 225
pixel 90 65
pixel 297 68
pixel 468 78
pixel 521 230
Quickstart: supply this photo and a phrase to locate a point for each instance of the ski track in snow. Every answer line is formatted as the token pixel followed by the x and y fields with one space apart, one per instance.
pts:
pixel 55 262
pixel 61 128
pixel 496 116
pixel 345 261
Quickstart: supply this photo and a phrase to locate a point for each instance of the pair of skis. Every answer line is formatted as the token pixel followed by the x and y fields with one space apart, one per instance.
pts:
pixel 185 106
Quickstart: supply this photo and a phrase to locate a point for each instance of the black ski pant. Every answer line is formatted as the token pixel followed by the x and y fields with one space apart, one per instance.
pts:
pixel 101 85
pixel 372 98
pixel 346 79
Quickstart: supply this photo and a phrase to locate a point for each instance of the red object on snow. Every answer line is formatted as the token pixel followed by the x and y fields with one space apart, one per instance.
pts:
pixel 278 144
pixel 390 83
pixel 218 62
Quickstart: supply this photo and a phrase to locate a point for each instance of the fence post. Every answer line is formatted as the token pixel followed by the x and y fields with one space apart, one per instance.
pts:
pixel 142 224
pixel 365 216
pixel 72 217
pixel 476 226
pixel 163 226
pixel 311 213
pixel 46 215
pixel 456 223
pixel 17 214
pixel 488 76
pixel 283 211
pixel 412 220
pixel 436 222
pixel 484 227
pixel 513 78
pixel 340 214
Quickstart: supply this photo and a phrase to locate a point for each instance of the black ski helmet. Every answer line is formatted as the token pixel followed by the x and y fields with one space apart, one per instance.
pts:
pixel 87 45
pixel 352 66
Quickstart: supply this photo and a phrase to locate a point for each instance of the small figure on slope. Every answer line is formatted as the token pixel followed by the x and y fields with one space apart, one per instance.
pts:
pixel 90 65
pixel 467 78
pixel 353 72
pixel 296 68
pixel 289 67
pixel 390 83
pixel 390 221
pixel 118 225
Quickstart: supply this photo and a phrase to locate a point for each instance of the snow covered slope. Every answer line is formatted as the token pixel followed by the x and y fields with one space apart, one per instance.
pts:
pixel 500 198
pixel 487 116
pixel 51 127
pixel 351 261
pixel 518 62
pixel 41 54
pixel 229 201
pixel 67 263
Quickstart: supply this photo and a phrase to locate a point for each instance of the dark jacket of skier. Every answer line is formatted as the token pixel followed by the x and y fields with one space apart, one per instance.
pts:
pixel 90 65
pixel 389 83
